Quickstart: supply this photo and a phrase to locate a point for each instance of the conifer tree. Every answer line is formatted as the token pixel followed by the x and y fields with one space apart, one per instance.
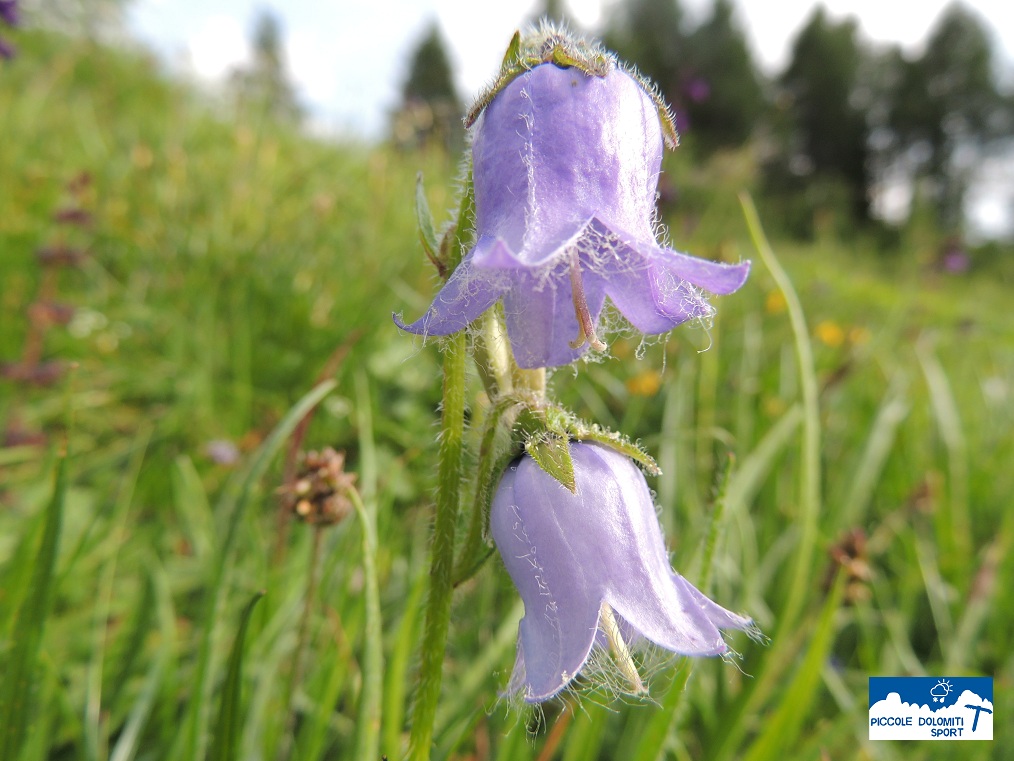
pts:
pixel 947 111
pixel 430 109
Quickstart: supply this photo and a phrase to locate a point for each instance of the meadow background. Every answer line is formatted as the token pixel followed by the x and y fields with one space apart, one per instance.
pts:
pixel 177 280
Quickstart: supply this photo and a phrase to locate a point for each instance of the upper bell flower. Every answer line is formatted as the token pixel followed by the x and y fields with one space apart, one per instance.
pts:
pixel 565 165
pixel 578 557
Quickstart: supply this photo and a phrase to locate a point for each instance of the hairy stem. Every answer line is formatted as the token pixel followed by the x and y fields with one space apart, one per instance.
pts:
pixel 438 606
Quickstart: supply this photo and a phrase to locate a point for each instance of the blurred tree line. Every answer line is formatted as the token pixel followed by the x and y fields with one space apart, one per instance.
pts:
pixel 846 124
pixel 845 120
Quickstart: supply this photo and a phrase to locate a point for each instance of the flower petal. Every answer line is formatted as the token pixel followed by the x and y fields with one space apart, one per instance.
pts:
pixel 715 277
pixel 567 553
pixel 640 585
pixel 654 287
pixel 545 561
pixel 652 300
pixel 462 299
pixel 718 615
pixel 557 146
pixel 541 321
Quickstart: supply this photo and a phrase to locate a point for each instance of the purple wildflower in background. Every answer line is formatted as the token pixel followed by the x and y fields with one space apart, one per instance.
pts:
pixel 9 12
pixel 8 15
pixel 698 89
pixel 577 557
pixel 565 170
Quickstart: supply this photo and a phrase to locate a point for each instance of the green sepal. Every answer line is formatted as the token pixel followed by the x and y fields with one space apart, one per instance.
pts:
pixel 621 444
pixel 549 46
pixel 538 423
pixel 513 53
pixel 564 423
pixel 456 237
pixel 551 452
pixel 427 232
pixel 445 248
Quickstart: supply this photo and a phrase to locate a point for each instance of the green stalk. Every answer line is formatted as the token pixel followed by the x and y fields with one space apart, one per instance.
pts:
pixel 298 655
pixel 438 606
pixel 809 477
pixel 192 740
pixel 368 723
pixel 773 668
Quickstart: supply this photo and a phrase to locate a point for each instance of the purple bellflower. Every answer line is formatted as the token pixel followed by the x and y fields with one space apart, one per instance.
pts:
pixel 576 558
pixel 565 167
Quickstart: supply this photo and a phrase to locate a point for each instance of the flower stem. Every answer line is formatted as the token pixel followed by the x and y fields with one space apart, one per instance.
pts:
pixel 533 381
pixel 438 606
pixel 492 355
pixel 298 655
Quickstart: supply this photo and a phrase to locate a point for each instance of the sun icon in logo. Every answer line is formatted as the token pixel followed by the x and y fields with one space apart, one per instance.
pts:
pixel 940 690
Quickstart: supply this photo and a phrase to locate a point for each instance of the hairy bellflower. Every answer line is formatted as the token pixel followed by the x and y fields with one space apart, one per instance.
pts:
pixel 565 165
pixel 578 558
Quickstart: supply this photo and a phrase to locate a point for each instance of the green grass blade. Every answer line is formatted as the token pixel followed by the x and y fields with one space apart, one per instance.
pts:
pixel 399 664
pixel 809 475
pixel 367 740
pixel 96 742
pixel 879 443
pixel 230 723
pixel 235 507
pixel 781 730
pixel 749 473
pixel 127 744
pixel 19 683
pixel 468 686
pixel 653 738
pixel 954 533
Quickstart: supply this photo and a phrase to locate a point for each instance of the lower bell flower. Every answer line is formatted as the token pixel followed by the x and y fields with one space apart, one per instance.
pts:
pixel 592 569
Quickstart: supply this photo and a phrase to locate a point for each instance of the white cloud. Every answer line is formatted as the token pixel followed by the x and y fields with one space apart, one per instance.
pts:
pixel 218 45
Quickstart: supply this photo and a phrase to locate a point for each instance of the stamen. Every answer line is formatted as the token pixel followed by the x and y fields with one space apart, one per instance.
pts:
pixel 624 661
pixel 585 325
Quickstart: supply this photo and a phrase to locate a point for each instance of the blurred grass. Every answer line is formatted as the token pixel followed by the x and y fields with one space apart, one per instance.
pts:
pixel 227 260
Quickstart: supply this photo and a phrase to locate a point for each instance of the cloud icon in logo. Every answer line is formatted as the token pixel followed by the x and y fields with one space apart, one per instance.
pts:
pixel 940 690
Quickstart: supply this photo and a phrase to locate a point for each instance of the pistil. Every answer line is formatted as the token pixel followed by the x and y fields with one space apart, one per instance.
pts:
pixel 624 660
pixel 585 324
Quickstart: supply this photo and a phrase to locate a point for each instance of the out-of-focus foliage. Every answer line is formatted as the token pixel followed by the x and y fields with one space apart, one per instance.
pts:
pixel 88 18
pixel 707 73
pixel 722 96
pixel 946 110
pixel 263 86
pixel 430 109
pixel 823 156
pixel 650 34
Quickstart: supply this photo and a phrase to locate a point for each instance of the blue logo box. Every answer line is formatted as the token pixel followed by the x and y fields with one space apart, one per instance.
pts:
pixel 931 708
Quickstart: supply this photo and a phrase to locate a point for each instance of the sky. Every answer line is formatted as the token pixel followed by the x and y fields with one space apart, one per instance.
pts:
pixel 347 58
